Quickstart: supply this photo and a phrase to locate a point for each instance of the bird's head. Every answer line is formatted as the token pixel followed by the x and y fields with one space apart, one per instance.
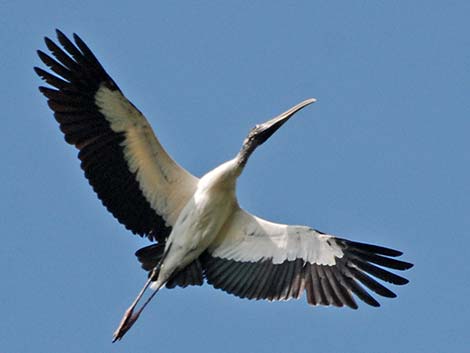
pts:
pixel 261 132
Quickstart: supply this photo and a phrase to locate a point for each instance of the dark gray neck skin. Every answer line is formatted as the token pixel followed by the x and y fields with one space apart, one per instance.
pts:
pixel 249 145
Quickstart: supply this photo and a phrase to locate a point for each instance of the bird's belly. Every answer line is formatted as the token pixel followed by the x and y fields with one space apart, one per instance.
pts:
pixel 195 229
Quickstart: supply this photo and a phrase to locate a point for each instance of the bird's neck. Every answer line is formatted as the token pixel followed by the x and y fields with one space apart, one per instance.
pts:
pixel 245 152
pixel 224 176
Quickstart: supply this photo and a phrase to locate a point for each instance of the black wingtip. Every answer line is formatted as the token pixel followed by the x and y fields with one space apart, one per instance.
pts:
pixel 40 72
pixel 403 282
pixel 37 70
pixel 406 265
pixel 42 89
pixel 373 303
pixel 59 33
pixel 49 42
pixel 43 56
pixel 76 38
pixel 373 248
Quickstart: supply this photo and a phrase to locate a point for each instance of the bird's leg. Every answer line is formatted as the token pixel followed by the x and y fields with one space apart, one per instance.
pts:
pixel 129 317
pixel 127 322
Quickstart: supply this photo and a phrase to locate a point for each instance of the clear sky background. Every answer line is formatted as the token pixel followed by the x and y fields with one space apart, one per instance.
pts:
pixel 382 157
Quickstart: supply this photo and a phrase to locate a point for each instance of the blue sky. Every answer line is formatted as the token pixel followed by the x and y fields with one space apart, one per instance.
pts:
pixel 382 157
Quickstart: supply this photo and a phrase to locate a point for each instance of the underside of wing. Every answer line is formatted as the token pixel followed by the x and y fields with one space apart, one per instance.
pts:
pixel 131 173
pixel 256 259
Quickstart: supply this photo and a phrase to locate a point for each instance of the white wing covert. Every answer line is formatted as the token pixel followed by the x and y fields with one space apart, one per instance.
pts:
pixel 256 259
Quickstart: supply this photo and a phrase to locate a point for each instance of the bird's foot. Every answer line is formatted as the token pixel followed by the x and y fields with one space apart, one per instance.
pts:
pixel 126 323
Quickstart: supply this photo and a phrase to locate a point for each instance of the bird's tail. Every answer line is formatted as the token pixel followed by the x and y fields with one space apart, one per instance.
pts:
pixel 150 256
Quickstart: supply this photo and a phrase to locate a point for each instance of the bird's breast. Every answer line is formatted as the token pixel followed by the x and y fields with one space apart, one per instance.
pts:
pixel 205 214
pixel 198 225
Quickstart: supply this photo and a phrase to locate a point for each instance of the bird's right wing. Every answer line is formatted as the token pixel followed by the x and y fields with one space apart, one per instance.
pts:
pixel 256 259
pixel 132 174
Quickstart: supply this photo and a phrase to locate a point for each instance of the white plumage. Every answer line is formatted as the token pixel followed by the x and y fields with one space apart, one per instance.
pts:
pixel 248 238
pixel 162 181
pixel 200 232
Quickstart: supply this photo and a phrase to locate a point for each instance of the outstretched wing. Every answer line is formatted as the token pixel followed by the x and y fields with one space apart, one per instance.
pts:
pixel 131 173
pixel 256 259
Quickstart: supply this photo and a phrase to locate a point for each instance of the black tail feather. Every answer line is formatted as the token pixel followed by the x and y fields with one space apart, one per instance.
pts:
pixel 150 257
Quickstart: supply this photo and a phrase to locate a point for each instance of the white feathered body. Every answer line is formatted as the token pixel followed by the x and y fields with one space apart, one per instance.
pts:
pixel 201 219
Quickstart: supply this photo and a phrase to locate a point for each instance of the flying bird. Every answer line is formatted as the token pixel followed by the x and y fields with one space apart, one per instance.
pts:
pixel 198 230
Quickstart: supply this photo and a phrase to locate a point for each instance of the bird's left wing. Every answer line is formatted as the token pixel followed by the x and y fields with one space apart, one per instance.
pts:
pixel 256 259
pixel 137 181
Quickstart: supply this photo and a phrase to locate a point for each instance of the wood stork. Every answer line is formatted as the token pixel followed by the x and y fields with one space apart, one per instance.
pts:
pixel 198 229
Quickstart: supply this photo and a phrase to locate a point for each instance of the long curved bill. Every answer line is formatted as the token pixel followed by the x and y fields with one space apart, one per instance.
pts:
pixel 266 129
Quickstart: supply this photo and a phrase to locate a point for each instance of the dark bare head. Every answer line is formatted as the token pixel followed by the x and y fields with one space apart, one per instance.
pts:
pixel 260 133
